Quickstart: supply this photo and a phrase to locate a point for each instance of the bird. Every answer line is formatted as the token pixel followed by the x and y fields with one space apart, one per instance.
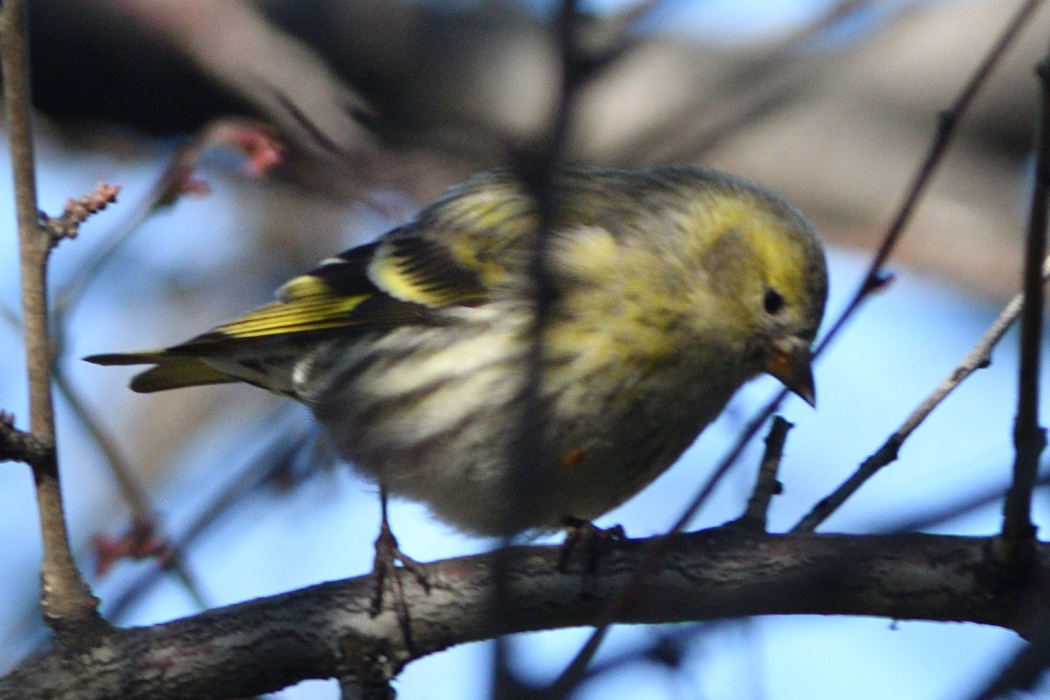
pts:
pixel 420 355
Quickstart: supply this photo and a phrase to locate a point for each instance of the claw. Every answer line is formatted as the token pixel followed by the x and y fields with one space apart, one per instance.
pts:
pixel 386 567
pixel 593 541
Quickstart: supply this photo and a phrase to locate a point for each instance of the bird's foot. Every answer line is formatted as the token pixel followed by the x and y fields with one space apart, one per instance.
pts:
pixel 588 539
pixel 389 565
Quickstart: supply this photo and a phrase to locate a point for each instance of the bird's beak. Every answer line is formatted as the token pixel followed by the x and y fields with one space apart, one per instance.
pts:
pixel 790 363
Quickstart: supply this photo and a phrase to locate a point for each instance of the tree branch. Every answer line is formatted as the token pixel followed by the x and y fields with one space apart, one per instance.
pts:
pixel 65 599
pixel 269 643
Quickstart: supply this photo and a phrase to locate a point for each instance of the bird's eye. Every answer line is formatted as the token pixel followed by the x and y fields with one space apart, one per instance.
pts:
pixel 773 302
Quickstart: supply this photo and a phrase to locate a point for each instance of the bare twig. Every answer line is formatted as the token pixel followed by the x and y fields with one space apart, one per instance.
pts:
pixel 767 485
pixel 978 358
pixel 1029 437
pixel 875 278
pixel 66 599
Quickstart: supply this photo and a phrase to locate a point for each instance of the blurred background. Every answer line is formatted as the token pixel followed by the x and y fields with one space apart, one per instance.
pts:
pixel 380 105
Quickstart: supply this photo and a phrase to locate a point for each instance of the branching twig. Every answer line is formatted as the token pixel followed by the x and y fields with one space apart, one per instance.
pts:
pixel 875 278
pixel 978 358
pixel 66 599
pixel 1029 437
pixel 257 141
pixel 77 211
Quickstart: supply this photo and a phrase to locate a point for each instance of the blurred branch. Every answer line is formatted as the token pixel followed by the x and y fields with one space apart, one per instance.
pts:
pixel 774 78
pixel 979 357
pixel 311 632
pixel 66 600
pixel 533 464
pixel 1024 670
pixel 283 77
pixel 1029 438
pixel 939 515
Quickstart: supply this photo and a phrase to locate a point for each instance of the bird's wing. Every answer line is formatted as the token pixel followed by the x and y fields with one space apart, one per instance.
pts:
pixel 456 254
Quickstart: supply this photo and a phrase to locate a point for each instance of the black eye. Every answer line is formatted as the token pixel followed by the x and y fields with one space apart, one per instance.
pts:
pixel 773 302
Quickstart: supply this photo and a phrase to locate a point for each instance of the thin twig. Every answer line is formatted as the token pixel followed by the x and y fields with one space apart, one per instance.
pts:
pixel 66 599
pixel 767 485
pixel 978 358
pixel 874 279
pixel 1029 437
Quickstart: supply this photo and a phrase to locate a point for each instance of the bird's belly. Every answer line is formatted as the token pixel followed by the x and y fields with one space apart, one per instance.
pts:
pixel 449 436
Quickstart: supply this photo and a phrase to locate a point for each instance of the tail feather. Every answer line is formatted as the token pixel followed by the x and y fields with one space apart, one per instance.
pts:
pixel 147 357
pixel 168 372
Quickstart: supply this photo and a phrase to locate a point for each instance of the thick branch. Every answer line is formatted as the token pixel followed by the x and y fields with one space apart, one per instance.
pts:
pixel 320 632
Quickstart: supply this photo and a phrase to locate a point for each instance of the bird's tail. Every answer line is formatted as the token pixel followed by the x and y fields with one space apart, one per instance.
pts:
pixel 169 371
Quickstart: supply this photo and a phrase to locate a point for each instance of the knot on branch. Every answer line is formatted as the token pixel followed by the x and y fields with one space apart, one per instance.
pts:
pixel 19 446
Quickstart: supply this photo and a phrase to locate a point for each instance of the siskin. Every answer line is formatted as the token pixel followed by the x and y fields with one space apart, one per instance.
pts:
pixel 672 286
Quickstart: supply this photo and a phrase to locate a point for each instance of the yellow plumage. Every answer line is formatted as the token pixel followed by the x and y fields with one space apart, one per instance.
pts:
pixel 673 286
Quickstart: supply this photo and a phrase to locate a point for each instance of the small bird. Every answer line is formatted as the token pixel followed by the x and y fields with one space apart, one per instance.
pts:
pixel 670 287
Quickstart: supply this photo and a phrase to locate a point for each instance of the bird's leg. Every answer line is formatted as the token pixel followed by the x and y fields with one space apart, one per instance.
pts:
pixel 589 539
pixel 385 567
